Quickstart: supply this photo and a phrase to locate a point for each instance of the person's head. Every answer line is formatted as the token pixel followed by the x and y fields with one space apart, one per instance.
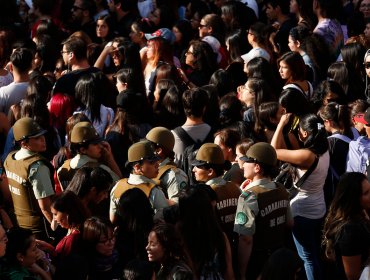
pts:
pixel 30 135
pixel 269 114
pixel 98 236
pixel 339 72
pixel 164 245
pixel 138 30
pixel 41 86
pixel 3 241
pixel 328 91
pixel 61 108
pixel 276 8
pixel 259 67
pixel 364 8
pixel 163 141
pixel 241 150
pixel 358 108
pixel 227 140
pixel 200 56
pixel 21 60
pixel 104 27
pixel 74 50
pixel 336 116
pixel 85 140
pixel 351 196
pixel 230 110
pixel 125 79
pixel 365 120
pixel 237 45
pixel 353 54
pixel 292 67
pixel 183 32
pixel 209 162
pixel 367 63
pixel 159 49
pixel 293 101
pixel 68 210
pixel 135 213
pixel 162 16
pixel 161 88
pixel 91 184
pixel 83 11
pixel 260 161
pixel 223 81
pixel 312 133
pixel 213 25
pixel 143 160
pixel 126 54
pixel 194 101
pixel 257 33
pixel 21 248
pixel 296 38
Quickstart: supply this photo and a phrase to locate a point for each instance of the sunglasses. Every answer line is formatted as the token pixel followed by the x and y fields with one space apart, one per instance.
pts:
pixel 367 65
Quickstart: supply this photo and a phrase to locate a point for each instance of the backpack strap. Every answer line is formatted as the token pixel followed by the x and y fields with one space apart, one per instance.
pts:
pixel 308 173
pixel 355 132
pixel 184 136
pixel 341 137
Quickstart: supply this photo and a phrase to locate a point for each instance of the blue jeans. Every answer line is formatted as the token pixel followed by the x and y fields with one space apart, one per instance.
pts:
pixel 306 235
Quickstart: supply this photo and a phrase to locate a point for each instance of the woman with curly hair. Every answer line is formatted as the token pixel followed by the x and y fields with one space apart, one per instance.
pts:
pixel 347 228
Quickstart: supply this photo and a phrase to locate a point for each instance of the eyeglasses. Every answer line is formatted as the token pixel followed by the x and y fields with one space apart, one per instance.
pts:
pixel 202 25
pixel 108 240
pixel 75 8
pixel 62 52
pixel 367 65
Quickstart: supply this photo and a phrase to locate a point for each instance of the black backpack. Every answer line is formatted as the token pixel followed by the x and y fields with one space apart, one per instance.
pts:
pixel 190 151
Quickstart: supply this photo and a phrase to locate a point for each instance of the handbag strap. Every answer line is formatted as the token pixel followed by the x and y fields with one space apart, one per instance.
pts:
pixel 308 173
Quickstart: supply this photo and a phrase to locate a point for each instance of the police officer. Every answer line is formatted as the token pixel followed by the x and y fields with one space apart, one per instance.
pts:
pixel 144 164
pixel 30 178
pixel 91 151
pixel 209 167
pixel 172 179
pixel 263 211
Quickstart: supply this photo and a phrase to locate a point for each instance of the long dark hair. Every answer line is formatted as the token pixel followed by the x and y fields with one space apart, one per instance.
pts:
pixel 339 115
pixel 202 234
pixel 317 141
pixel 344 208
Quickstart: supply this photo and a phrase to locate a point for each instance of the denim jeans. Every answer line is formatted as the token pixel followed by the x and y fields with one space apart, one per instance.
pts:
pixel 306 235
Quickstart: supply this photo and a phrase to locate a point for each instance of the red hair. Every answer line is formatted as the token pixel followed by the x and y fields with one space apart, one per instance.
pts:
pixel 162 51
pixel 61 108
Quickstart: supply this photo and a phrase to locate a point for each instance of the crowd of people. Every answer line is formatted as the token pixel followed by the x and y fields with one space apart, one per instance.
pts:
pixel 184 139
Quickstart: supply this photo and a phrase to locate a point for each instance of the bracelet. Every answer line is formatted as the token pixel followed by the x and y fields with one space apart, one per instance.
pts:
pixel 47 269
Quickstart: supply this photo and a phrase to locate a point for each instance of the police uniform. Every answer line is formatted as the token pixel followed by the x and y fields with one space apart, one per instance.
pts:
pixel 227 200
pixel 83 134
pixel 138 153
pixel 263 210
pixel 66 172
pixel 172 179
pixel 30 179
pixel 148 186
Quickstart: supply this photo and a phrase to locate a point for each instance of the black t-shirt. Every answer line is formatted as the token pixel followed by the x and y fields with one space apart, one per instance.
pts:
pixel 67 83
pixel 354 240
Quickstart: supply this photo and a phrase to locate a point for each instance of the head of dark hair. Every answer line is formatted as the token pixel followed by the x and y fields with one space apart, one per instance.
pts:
pixel 194 101
pixel 259 31
pixel 294 102
pixel 284 5
pixel 266 112
pixel 326 87
pixel 317 140
pixel 230 110
pixel 87 178
pixel 21 60
pixel 19 241
pixel 94 229
pixel 296 65
pixel 223 82
pixel 77 46
pixel 206 60
pixel 69 203
pixel 238 45
pixel 339 115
